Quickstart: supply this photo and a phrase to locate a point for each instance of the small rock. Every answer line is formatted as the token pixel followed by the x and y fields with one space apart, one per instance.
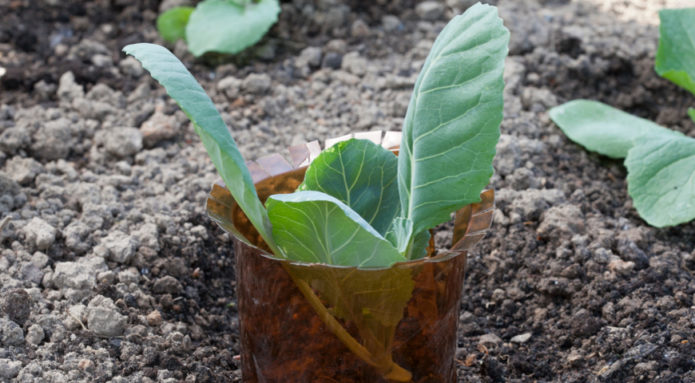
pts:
pixel 459 5
pixel 158 128
pixel 11 333
pixel 169 4
pixel 536 99
pixel 104 319
pixel 35 335
pixel 230 86
pixel 17 306
pixel 555 287
pixel 354 63
pixel 76 236
pixel 131 67
pixel 86 365
pixel 619 266
pixel 68 89
pixel 167 285
pixel 522 179
pixel 583 324
pixel 257 83
pixel 12 139
pixel 39 233
pixel 430 10
pixel 23 170
pixel 154 318
pixel 122 141
pixel 521 338
pixel 563 220
pixel 391 23
pixel 489 339
pixel 9 368
pixel 78 275
pixel 332 60
pixel 267 51
pixel 575 359
pixel 29 272
pixel 121 247
pixel 310 56
pixel 105 322
pixel 148 236
pixel 53 140
pixel 359 29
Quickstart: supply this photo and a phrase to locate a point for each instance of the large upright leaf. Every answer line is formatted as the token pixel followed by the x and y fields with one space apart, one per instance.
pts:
pixel 604 129
pixel 452 124
pixel 362 175
pixel 675 57
pixel 310 226
pixel 229 26
pixel 661 180
pixel 185 90
pixel 172 23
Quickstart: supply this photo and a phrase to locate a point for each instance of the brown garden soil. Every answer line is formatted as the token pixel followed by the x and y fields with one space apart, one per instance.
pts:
pixel 111 271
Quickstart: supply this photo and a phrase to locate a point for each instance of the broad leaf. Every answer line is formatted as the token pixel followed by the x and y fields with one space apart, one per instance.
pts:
pixel 675 57
pixel 360 174
pixel 229 26
pixel 310 226
pixel 661 180
pixel 223 151
pixel 452 124
pixel 604 129
pixel 691 113
pixel 172 23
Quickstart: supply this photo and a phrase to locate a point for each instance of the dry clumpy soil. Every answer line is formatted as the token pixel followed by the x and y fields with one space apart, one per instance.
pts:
pixel 110 270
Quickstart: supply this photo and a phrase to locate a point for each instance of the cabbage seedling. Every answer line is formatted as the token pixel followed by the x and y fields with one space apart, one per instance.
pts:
pixel 223 26
pixel 660 162
pixel 360 205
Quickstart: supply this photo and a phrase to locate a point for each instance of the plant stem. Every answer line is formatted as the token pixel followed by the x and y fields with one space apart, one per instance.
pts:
pixel 389 369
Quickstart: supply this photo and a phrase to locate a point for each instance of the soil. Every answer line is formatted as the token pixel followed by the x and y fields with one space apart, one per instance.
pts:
pixel 111 271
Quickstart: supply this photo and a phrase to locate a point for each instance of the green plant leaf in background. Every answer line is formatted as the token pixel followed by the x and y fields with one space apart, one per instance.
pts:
pixel 310 226
pixel 227 26
pixel 362 175
pixel 602 128
pixel 172 23
pixel 675 57
pixel 185 90
pixel 661 179
pixel 691 113
pixel 452 124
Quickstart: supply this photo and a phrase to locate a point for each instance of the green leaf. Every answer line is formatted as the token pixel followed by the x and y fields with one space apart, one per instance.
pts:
pixel 185 90
pixel 172 23
pixel 691 113
pixel 362 175
pixel 675 57
pixel 452 124
pixel 310 226
pixel 661 180
pixel 229 27
pixel 604 129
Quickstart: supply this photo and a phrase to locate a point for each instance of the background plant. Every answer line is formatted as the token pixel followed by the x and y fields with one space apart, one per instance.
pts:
pixel 224 26
pixel 660 162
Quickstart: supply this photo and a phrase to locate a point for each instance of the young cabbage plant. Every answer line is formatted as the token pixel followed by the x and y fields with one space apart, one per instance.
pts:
pixel 359 204
pixel 660 162
pixel 224 26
